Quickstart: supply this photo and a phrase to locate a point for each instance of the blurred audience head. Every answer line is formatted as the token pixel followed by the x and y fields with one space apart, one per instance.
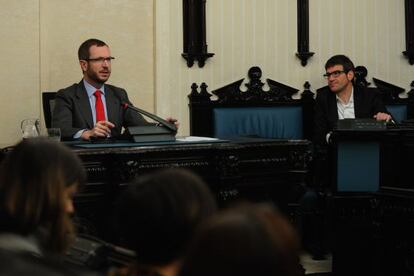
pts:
pixel 245 240
pixel 159 212
pixel 38 179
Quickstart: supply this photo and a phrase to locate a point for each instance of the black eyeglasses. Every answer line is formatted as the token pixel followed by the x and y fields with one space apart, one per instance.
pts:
pixel 101 59
pixel 334 74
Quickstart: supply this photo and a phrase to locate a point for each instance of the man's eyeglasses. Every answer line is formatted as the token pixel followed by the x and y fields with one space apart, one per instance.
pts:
pixel 334 74
pixel 101 59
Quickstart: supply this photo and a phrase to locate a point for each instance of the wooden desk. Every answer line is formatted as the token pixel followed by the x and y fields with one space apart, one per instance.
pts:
pixel 252 169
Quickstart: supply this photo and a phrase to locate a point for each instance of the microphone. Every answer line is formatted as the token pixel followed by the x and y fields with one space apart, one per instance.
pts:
pixel 154 117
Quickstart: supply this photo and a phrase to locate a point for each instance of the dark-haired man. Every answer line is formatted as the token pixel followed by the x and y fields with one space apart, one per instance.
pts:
pixel 344 100
pixel 92 108
pixel 341 100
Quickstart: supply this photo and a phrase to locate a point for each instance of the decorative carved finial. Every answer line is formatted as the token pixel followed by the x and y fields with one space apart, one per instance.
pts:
pixel 203 96
pixel 194 95
pixel 307 93
pixel 304 56
pixel 203 90
pixel 194 87
pixel 361 73
pixel 254 73
pixel 255 85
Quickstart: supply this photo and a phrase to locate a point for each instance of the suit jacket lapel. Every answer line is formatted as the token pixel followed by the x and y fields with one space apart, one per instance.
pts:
pixel 84 105
pixel 333 110
pixel 112 105
pixel 357 102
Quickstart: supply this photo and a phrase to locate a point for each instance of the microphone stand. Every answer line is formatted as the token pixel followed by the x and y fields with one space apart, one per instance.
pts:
pixel 161 121
pixel 164 131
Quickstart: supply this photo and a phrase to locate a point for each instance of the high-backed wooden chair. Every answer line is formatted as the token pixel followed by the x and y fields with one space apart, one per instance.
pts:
pixel 254 112
pixel 401 109
pixel 48 101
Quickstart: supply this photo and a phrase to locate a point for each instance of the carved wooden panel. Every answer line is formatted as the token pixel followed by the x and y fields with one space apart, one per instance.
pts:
pixel 194 28
pixel 409 31
pixel 303 32
pixel 202 102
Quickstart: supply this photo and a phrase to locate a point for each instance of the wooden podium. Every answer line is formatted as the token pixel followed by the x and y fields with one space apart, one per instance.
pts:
pixel 373 202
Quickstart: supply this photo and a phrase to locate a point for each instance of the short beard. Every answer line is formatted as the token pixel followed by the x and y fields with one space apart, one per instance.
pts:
pixel 94 77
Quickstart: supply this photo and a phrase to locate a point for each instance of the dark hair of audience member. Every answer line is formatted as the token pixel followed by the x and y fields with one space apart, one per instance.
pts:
pixel 246 240
pixel 33 199
pixel 158 213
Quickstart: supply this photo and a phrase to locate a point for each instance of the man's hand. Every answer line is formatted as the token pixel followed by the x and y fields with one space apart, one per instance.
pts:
pixel 173 121
pixel 101 129
pixel 380 116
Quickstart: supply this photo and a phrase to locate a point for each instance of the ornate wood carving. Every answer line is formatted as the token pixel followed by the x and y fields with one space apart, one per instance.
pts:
pixel 203 96
pixel 248 170
pixel 361 73
pixel 409 31
pixel 194 27
pixel 202 103
pixel 389 91
pixel 232 94
pixel 303 32
pixel 307 93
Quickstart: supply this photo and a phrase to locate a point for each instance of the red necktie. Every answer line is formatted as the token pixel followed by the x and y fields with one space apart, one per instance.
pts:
pixel 99 108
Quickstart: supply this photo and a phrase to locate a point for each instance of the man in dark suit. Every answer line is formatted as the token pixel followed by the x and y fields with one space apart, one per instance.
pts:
pixel 344 100
pixel 91 108
pixel 341 100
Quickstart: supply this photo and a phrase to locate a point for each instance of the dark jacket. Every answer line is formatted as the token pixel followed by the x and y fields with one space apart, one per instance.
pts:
pixel 367 103
pixel 72 111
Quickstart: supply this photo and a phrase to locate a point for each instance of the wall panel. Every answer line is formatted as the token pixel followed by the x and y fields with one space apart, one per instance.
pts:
pixel 40 39
pixel 244 33
pixel 19 71
pixel 127 27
